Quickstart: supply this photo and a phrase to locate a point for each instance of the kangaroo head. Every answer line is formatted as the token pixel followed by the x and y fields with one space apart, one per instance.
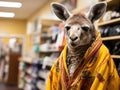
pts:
pixel 79 28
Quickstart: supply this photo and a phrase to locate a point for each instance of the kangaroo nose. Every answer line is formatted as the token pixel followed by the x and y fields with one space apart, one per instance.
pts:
pixel 73 38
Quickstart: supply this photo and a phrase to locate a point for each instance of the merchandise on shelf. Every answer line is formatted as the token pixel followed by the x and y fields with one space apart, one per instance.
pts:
pixel 49 60
pixel 110 30
pixel 112 14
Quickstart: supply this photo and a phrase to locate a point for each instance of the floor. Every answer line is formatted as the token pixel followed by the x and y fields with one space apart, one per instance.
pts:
pixel 8 87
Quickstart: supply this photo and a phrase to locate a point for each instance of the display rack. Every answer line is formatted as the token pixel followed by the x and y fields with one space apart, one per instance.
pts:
pixel 24 59
pixel 111 37
pixel 9 59
pixel 116 56
pixel 26 78
pixel 109 22
pixel 111 4
pixel 28 73
pixel 46 24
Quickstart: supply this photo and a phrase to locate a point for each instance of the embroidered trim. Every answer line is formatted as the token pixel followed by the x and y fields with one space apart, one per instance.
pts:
pixel 67 82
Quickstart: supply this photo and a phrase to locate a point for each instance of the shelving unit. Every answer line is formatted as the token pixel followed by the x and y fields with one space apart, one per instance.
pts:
pixel 28 73
pixel 105 0
pixel 116 56
pixel 45 30
pixel 48 54
pixel 9 68
pixel 111 38
pixel 37 81
pixel 9 59
pixel 111 4
pixel 50 51
pixel 46 35
pixel 109 22
pixel 24 59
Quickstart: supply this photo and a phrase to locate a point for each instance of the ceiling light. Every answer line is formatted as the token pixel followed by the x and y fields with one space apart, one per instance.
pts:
pixel 7 14
pixel 10 4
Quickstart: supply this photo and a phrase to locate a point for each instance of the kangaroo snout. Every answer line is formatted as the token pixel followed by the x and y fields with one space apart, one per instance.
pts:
pixel 74 38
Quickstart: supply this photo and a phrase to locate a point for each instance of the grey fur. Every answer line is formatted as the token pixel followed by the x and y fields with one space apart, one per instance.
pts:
pixel 80 31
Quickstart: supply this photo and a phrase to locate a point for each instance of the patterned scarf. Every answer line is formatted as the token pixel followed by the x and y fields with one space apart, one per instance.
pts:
pixel 90 54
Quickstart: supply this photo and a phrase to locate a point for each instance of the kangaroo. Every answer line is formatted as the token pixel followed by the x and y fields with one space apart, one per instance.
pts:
pixel 72 67
pixel 80 32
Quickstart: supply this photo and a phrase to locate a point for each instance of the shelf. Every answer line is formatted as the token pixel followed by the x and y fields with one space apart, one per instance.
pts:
pixel 111 38
pixel 25 59
pixel 108 1
pixel 109 22
pixel 112 3
pixel 45 36
pixel 116 56
pixel 43 74
pixel 41 85
pixel 50 51
pixel 105 0
pixel 36 33
pixel 85 9
pixel 48 22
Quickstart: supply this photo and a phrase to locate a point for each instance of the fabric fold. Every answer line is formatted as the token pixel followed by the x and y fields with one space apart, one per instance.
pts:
pixel 95 73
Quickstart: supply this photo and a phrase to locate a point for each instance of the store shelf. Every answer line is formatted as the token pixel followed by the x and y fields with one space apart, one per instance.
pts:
pixel 48 22
pixel 108 1
pixel 43 74
pixel 83 10
pixel 116 56
pixel 45 36
pixel 50 51
pixel 109 22
pixel 105 0
pixel 41 85
pixel 112 3
pixel 111 38
pixel 25 59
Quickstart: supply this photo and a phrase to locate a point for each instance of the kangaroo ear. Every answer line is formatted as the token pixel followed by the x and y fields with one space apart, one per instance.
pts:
pixel 97 11
pixel 60 11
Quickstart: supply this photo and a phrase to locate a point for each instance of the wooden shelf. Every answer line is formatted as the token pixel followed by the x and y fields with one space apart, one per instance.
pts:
pixel 112 3
pixel 105 0
pixel 111 38
pixel 43 36
pixel 50 51
pixel 116 56
pixel 108 1
pixel 109 22
pixel 48 22
pixel 27 60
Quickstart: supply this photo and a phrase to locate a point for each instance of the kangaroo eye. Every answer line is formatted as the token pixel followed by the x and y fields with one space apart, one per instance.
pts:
pixel 85 28
pixel 78 28
pixel 67 28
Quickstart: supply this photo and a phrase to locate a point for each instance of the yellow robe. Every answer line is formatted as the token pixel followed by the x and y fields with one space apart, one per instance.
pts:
pixel 97 72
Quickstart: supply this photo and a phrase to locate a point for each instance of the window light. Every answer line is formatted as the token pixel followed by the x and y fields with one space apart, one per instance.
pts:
pixel 7 14
pixel 10 4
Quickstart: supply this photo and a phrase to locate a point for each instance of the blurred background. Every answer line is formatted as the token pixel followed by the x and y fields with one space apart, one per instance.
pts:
pixel 32 37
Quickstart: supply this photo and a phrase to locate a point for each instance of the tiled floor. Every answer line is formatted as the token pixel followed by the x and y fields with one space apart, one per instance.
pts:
pixel 8 87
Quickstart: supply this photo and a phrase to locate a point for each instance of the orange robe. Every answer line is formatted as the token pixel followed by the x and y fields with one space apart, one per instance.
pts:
pixel 97 72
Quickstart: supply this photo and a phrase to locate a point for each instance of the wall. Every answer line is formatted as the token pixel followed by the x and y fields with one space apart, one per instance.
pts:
pixel 44 12
pixel 13 27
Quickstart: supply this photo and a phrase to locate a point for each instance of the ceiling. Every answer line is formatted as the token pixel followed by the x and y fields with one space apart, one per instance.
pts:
pixel 29 7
